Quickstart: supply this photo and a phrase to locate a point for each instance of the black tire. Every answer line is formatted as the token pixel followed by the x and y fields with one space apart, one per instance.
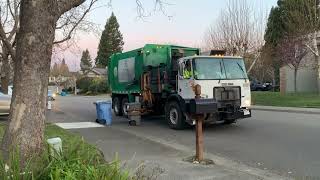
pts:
pixel 123 107
pixel 174 116
pixel 117 106
pixel 228 122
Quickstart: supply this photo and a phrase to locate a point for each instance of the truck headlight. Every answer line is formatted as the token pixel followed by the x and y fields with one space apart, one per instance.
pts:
pixel 54 95
pixel 247 103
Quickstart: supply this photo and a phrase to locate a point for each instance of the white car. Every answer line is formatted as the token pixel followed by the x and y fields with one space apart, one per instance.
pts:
pixel 5 101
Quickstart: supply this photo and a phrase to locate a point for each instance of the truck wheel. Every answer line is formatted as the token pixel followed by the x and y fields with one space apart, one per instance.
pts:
pixel 227 122
pixel 117 106
pixel 124 109
pixel 174 116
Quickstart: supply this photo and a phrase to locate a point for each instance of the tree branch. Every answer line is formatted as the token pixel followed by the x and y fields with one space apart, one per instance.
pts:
pixel 76 24
pixel 310 48
pixel 6 42
pixel 66 5
pixel 15 16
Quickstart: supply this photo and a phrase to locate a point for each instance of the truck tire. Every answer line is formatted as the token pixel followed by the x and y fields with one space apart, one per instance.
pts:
pixel 117 106
pixel 228 122
pixel 174 115
pixel 124 107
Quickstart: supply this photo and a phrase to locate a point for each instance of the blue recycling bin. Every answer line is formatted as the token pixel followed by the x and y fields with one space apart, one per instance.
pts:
pixel 63 93
pixel 104 115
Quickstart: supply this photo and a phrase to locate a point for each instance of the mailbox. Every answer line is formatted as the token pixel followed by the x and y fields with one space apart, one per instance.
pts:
pixel 203 106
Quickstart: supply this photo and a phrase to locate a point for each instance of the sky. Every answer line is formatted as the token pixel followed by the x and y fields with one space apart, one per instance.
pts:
pixel 184 23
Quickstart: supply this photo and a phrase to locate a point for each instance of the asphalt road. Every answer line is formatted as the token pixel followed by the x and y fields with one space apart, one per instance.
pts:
pixel 284 143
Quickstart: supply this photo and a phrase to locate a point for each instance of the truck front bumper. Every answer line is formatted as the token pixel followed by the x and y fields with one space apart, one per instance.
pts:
pixel 239 114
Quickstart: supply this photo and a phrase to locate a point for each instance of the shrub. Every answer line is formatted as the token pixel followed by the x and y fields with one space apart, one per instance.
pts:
pixel 93 85
pixel 83 84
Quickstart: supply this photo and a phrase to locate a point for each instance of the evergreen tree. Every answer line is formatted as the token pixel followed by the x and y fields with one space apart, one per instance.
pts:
pixel 64 69
pixel 275 31
pixel 111 42
pixel 275 27
pixel 86 61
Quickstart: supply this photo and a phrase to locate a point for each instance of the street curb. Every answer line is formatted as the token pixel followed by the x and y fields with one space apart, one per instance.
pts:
pixel 286 109
pixel 220 161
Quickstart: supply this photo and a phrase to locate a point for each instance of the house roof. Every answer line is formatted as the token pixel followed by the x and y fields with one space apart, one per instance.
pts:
pixel 99 71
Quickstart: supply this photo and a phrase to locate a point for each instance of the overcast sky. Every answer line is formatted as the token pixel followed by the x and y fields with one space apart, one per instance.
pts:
pixel 186 25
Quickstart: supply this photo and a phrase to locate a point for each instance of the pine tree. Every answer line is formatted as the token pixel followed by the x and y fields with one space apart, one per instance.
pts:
pixel 64 69
pixel 111 42
pixel 86 61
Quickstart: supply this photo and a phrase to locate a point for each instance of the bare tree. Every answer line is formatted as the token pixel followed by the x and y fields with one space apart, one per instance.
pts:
pixel 238 30
pixel 292 50
pixel 264 68
pixel 66 28
pixel 9 24
pixel 32 58
pixel 60 73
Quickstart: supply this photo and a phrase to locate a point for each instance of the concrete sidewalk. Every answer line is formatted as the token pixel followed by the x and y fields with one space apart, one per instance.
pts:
pixel 287 109
pixel 160 157
pixel 165 162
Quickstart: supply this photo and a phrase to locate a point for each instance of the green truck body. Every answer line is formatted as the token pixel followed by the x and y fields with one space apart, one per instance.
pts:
pixel 125 69
pixel 154 78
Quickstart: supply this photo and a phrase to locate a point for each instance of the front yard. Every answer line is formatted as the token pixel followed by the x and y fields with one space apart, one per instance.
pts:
pixel 288 100
pixel 79 160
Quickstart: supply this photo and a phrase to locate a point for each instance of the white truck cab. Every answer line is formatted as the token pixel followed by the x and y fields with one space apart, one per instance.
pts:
pixel 223 79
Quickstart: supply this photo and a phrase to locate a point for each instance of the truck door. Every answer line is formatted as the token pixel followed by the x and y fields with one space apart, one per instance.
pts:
pixel 185 80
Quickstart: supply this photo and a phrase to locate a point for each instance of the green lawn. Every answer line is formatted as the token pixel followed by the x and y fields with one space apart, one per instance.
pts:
pixel 288 100
pixel 52 131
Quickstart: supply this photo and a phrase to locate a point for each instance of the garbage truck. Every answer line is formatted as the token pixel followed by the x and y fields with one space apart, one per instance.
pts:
pixel 162 78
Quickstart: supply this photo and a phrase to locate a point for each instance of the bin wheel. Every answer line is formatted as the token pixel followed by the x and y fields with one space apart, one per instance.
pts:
pixel 124 108
pixel 117 106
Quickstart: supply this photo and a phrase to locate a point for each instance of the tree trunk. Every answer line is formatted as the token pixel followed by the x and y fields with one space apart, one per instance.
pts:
pixel 295 79
pixel 33 55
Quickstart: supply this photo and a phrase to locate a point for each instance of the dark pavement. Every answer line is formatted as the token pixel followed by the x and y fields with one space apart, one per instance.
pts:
pixel 284 143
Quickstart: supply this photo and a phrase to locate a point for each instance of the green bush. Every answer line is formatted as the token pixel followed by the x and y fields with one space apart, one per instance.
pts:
pixel 93 85
pixel 83 84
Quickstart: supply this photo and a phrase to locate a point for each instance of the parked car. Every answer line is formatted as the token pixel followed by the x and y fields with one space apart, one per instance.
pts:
pixel 5 101
pixel 51 95
pixel 259 86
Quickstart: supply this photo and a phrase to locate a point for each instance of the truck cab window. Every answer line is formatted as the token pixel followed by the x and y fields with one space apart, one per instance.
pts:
pixel 181 67
pixel 187 70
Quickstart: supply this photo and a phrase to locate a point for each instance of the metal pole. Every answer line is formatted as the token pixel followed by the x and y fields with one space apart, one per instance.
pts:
pixel 199 132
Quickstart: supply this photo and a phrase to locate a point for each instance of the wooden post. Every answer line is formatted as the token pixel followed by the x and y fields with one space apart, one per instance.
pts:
pixel 199 132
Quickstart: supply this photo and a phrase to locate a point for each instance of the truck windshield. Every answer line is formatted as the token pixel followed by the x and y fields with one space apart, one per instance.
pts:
pixel 219 68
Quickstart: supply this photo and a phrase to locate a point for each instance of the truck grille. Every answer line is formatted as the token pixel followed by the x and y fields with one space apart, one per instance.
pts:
pixel 226 96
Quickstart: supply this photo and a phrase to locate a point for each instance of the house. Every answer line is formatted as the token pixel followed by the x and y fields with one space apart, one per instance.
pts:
pixel 94 72
pixel 57 83
pixel 308 80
